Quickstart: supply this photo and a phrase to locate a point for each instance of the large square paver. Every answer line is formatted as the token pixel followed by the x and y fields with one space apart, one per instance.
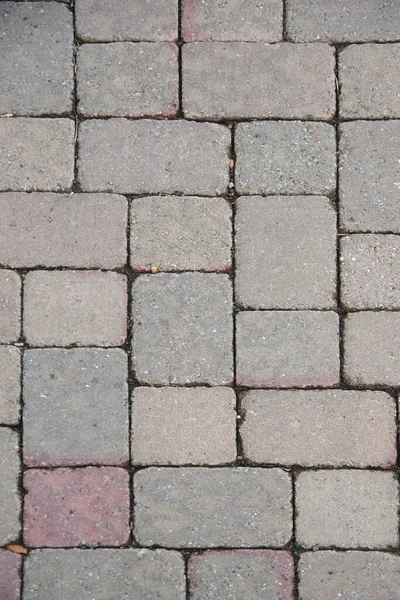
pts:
pixel 10 575
pixel 10 501
pixel 10 306
pixel 10 368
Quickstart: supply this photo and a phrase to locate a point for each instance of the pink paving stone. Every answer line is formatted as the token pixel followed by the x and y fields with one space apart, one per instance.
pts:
pixel 76 507
pixel 10 575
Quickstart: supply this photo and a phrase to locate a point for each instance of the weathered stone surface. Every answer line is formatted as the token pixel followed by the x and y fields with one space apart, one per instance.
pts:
pixel 10 367
pixel 10 306
pixel 10 501
pixel 10 575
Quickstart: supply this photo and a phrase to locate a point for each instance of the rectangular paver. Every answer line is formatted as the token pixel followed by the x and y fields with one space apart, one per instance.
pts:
pixel 10 575
pixel 10 306
pixel 10 368
pixel 10 501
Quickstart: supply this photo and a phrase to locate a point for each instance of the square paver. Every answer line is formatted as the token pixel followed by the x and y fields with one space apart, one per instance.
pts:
pixel 10 575
pixel 10 306
pixel 10 370
pixel 182 329
pixel 75 407
pixel 180 426
pixel 10 501
pixel 290 244
pixel 287 349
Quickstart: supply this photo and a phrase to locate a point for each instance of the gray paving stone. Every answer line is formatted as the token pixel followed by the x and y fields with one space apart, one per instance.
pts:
pixel 342 21
pixel 369 81
pixel 319 428
pixel 60 230
pixel 75 307
pixel 36 154
pixel 246 21
pixel 369 176
pixel 241 574
pixel 10 306
pixel 126 79
pixel 106 21
pixel 268 81
pixel 180 426
pixel 9 496
pixel 285 250
pixel 372 349
pixel 182 329
pixel 291 157
pixel 347 509
pixel 287 349
pixel 181 233
pixel 75 407
pixel 185 507
pixel 10 368
pixel 330 575
pixel 10 575
pixel 150 156
pixel 370 271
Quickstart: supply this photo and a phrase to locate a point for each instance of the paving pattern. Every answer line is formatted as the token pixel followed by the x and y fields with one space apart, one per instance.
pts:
pixel 199 299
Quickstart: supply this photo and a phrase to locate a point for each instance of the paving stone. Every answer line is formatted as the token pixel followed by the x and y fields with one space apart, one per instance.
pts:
pixel 126 79
pixel 104 20
pixel 291 157
pixel 268 81
pixel 342 21
pixel 181 233
pixel 10 367
pixel 63 230
pixel 10 306
pixel 370 271
pixel 182 329
pixel 10 575
pixel 287 349
pixel 180 426
pixel 369 176
pixel 329 575
pixel 10 502
pixel 185 507
pixel 36 154
pixel 369 81
pixel 150 156
pixel 246 21
pixel 75 307
pixel 347 509
pixel 82 392
pixel 76 507
pixel 319 428
pixel 302 273
pixel 36 44
pixel 241 574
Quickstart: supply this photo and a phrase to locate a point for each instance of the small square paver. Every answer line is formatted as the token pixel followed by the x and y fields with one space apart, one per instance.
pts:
pixel 10 306
pixel 241 574
pixel 370 81
pixel 135 20
pixel 126 79
pixel 372 349
pixel 287 349
pixel 10 575
pixel 369 176
pixel 285 250
pixel 75 307
pixel 10 389
pixel 182 329
pixel 10 501
pixel 370 271
pixel 180 426
pixel 178 233
pixel 347 509
pixel 75 407
pixel 76 507
pixel 285 157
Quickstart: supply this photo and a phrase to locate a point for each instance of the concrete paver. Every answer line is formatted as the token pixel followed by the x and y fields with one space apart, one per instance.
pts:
pixel 10 500
pixel 10 369
pixel 10 306
pixel 10 575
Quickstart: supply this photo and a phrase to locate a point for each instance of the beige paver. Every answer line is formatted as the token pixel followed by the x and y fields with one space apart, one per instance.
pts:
pixel 10 306
pixel 10 368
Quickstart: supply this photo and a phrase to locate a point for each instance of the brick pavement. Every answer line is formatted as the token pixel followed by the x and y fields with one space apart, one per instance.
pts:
pixel 199 299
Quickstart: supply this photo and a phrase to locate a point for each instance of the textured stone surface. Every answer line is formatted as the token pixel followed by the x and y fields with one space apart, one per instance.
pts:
pixel 369 176
pixel 126 79
pixel 75 307
pixel 183 426
pixel 76 507
pixel 185 507
pixel 319 428
pixel 10 367
pixel 10 575
pixel 372 349
pixel 10 306
pixel 370 271
pixel 285 158
pixel 287 349
pixel 147 156
pixel 182 329
pixel 181 233
pixel 82 392
pixel 36 40
pixel 269 81
pixel 347 509
pixel 60 230
pixel 9 480
pixel 302 273
pixel 241 574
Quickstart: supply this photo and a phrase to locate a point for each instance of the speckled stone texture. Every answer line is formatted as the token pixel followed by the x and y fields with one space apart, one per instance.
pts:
pixel 10 368
pixel 10 500
pixel 10 575
pixel 10 306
